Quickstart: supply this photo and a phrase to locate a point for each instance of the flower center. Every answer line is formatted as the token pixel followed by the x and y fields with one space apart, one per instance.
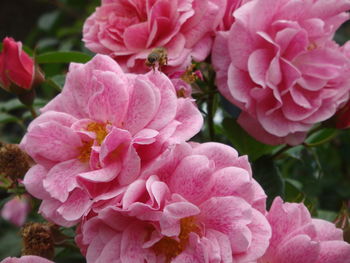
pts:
pixel 171 247
pixel 311 46
pixel 100 131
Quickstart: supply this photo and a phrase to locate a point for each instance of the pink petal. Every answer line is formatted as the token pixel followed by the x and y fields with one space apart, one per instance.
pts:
pixel 75 206
pixel 142 106
pixel 111 102
pixel 61 179
pixel 33 182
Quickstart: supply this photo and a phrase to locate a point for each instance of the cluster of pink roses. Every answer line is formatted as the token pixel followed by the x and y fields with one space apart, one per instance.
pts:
pixel 275 60
pixel 112 152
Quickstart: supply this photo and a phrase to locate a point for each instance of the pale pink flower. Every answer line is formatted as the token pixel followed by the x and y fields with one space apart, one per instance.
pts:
pixel 200 204
pixel 279 65
pixel 26 259
pixel 16 210
pixel 93 138
pixel 129 30
pixel 297 238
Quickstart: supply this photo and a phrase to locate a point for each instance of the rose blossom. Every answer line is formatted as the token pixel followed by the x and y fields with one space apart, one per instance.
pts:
pixel 194 203
pixel 26 259
pixel 16 210
pixel 129 30
pixel 228 19
pixel 279 65
pixel 297 238
pixel 93 138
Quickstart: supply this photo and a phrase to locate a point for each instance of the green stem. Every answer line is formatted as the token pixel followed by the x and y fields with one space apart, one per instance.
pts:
pixel 281 151
pixel 210 118
pixel 33 112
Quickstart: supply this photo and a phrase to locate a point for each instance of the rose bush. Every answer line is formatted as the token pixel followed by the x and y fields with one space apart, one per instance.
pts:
pixel 282 68
pixel 98 133
pixel 194 203
pixel 129 30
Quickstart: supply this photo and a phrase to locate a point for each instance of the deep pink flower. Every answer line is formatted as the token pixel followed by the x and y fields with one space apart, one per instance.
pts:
pixel 16 210
pixel 26 259
pixel 297 238
pixel 93 138
pixel 16 67
pixel 279 65
pixel 200 204
pixel 129 30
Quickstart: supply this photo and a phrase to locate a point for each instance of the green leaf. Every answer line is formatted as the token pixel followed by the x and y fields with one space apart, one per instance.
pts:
pixel 269 177
pixel 10 241
pixel 293 191
pixel 6 118
pixel 321 137
pixel 47 21
pixel 63 57
pixel 243 142
pixel 326 215
pixel 10 105
pixel 57 82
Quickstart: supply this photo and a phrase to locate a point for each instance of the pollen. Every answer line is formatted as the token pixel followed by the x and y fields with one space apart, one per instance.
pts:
pixel 99 129
pixel 171 247
pixel 85 151
pixel 311 46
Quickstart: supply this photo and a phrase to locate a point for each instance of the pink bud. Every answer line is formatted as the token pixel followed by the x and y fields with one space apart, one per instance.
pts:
pixel 16 210
pixel 16 67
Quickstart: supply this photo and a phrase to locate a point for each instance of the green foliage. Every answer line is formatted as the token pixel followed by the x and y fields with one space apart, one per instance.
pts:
pixel 63 57
pixel 243 142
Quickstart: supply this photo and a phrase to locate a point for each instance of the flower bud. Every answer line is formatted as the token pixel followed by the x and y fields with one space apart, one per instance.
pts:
pixel 18 72
pixel 16 210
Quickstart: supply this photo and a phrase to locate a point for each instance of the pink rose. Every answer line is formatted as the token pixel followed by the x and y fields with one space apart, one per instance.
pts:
pixel 98 133
pixel 16 67
pixel 228 18
pixel 16 210
pixel 129 30
pixel 279 65
pixel 26 259
pixel 200 204
pixel 297 238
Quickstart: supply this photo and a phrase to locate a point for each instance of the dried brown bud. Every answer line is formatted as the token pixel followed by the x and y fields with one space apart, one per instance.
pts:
pixel 14 163
pixel 38 240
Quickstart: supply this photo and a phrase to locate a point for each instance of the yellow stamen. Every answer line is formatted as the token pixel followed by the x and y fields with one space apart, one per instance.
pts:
pixel 85 151
pixel 311 46
pixel 170 247
pixel 99 129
